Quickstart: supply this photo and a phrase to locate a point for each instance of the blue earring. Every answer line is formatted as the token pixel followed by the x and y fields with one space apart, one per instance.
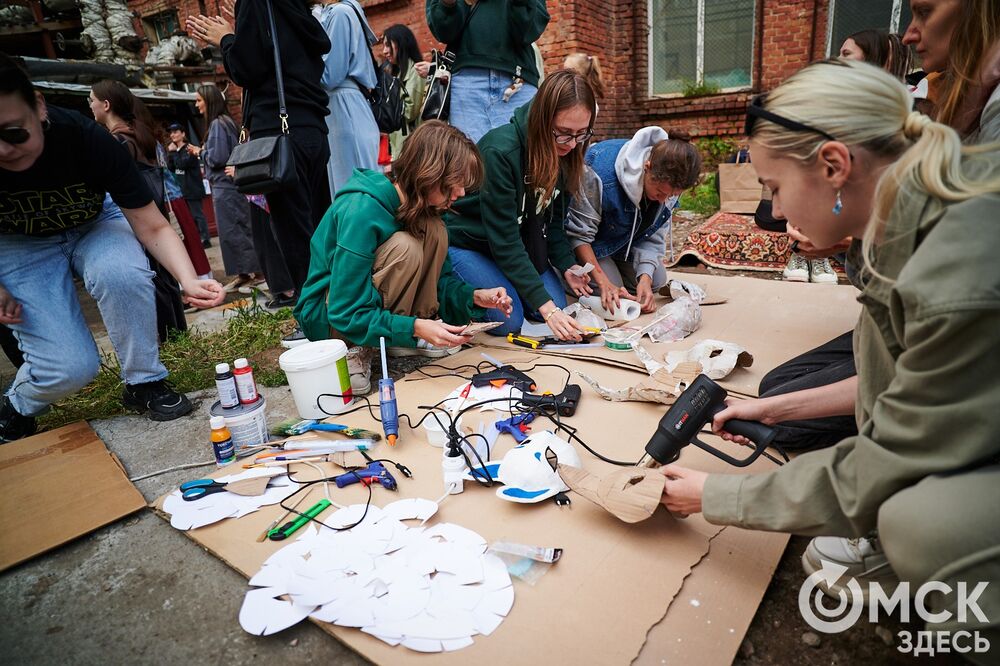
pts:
pixel 838 205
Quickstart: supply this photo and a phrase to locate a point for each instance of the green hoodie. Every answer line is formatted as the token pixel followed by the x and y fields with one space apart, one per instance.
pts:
pixel 339 292
pixel 488 221
pixel 498 36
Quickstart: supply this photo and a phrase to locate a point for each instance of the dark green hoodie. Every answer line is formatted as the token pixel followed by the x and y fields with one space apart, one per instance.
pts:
pixel 488 221
pixel 498 36
pixel 339 292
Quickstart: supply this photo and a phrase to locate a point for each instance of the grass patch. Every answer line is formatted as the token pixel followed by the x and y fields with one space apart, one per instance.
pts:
pixel 190 357
pixel 702 198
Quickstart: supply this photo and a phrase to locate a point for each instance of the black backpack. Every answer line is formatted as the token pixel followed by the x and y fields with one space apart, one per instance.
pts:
pixel 386 98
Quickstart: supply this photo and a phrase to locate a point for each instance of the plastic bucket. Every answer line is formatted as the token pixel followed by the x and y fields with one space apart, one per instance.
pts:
pixel 436 435
pixel 247 424
pixel 315 369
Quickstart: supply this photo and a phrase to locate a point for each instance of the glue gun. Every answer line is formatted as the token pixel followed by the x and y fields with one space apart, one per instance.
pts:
pixel 565 403
pixel 506 374
pixel 375 472
pixel 387 401
pixel 516 426
pixel 696 406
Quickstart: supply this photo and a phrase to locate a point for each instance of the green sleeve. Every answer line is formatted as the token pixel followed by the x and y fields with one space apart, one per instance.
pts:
pixel 446 21
pixel 560 253
pixel 938 415
pixel 499 205
pixel 528 19
pixel 455 297
pixel 354 306
pixel 414 84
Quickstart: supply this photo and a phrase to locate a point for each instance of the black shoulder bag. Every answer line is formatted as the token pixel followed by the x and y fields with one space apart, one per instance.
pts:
pixel 437 99
pixel 386 98
pixel 265 164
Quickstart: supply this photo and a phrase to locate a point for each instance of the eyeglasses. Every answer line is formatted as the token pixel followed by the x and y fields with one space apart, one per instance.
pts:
pixel 563 139
pixel 14 136
pixel 756 110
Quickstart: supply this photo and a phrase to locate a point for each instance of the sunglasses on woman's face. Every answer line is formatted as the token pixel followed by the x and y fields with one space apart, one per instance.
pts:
pixel 14 136
pixel 563 138
pixel 756 110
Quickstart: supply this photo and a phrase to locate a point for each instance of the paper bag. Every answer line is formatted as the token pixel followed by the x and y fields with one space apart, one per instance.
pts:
pixel 739 189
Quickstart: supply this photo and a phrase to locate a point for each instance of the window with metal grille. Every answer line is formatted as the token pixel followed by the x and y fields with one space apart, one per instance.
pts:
pixel 700 42
pixel 850 16
pixel 159 27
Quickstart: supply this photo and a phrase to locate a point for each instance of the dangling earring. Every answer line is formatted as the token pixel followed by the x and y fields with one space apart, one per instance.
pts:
pixel 838 205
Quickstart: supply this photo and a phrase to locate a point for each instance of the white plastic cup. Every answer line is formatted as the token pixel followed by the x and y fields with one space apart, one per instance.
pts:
pixel 314 369
pixel 436 435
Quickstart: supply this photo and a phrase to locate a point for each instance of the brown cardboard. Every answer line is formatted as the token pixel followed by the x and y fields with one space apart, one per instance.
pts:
pixel 620 590
pixel 57 486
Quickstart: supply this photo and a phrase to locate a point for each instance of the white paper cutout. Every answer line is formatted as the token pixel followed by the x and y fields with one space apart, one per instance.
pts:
pixel 427 589
pixel 189 515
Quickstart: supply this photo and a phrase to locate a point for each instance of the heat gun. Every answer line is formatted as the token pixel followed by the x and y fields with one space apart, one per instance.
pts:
pixel 696 406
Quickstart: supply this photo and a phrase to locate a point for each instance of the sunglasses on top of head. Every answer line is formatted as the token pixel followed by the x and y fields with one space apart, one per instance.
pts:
pixel 14 136
pixel 756 110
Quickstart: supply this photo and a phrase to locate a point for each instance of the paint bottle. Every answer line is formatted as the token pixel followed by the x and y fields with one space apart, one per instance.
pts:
pixel 222 441
pixel 226 385
pixel 245 384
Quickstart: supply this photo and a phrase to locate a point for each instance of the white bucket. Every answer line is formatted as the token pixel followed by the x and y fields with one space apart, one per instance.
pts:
pixel 436 435
pixel 247 424
pixel 314 369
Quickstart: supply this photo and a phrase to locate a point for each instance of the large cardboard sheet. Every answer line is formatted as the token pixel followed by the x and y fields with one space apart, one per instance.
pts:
pixel 58 486
pixel 660 589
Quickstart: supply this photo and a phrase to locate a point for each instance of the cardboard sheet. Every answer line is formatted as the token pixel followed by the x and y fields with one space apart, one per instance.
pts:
pixel 620 592
pixel 57 486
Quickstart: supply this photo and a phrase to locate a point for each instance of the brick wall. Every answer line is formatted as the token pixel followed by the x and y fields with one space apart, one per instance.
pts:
pixel 788 35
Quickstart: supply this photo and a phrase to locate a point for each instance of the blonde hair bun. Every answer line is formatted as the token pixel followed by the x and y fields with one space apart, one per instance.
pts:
pixel 913 126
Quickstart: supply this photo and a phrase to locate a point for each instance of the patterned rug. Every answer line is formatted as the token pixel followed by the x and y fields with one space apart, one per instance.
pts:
pixel 734 242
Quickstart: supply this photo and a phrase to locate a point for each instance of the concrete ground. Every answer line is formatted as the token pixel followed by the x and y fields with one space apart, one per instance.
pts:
pixel 139 591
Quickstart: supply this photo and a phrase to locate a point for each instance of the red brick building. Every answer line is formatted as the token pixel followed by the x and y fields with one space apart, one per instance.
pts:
pixel 651 50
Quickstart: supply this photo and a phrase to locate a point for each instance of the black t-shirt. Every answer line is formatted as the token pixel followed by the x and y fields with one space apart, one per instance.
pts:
pixel 66 186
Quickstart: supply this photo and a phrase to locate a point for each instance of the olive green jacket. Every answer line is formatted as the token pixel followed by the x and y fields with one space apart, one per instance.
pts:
pixel 928 376
pixel 415 86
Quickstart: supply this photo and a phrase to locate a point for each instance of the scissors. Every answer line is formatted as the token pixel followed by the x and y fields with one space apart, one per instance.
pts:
pixel 193 490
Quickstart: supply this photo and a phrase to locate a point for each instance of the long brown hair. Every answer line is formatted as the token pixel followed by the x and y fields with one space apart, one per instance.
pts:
pixel 215 105
pixel 122 103
pixel 977 30
pixel 675 160
pixel 562 90
pixel 436 156
pixel 885 50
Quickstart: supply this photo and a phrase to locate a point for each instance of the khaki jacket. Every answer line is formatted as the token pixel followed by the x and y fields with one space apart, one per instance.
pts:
pixel 928 358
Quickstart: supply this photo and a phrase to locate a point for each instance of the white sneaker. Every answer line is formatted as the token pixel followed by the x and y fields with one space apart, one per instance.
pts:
pixel 864 559
pixel 359 365
pixel 423 348
pixel 821 272
pixel 797 269
pixel 259 286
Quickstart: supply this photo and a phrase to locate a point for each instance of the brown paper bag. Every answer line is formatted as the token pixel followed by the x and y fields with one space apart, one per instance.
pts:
pixel 739 189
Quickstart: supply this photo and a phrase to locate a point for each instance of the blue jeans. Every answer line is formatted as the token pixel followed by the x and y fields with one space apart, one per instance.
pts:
pixel 477 104
pixel 60 356
pixel 482 272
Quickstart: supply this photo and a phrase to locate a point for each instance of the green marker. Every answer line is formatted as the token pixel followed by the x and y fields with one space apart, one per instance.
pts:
pixel 288 529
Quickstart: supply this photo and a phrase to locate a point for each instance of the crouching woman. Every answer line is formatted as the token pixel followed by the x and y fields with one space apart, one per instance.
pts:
pixel 379 258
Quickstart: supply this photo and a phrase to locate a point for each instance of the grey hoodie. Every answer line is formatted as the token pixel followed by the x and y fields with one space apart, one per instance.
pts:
pixel 584 215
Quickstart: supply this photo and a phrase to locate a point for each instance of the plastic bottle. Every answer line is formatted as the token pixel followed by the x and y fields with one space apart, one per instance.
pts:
pixel 245 384
pixel 222 441
pixel 226 385
pixel 453 468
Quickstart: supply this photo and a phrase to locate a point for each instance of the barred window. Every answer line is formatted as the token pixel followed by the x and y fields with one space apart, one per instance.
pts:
pixel 850 16
pixel 700 42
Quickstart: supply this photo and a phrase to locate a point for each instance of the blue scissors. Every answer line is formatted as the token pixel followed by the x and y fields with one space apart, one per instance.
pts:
pixel 193 490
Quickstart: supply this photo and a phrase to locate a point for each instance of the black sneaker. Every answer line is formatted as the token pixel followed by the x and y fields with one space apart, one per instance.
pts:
pixel 12 424
pixel 294 339
pixel 206 243
pixel 281 301
pixel 162 401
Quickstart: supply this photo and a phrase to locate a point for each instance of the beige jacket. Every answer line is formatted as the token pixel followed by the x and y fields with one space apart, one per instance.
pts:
pixel 926 347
